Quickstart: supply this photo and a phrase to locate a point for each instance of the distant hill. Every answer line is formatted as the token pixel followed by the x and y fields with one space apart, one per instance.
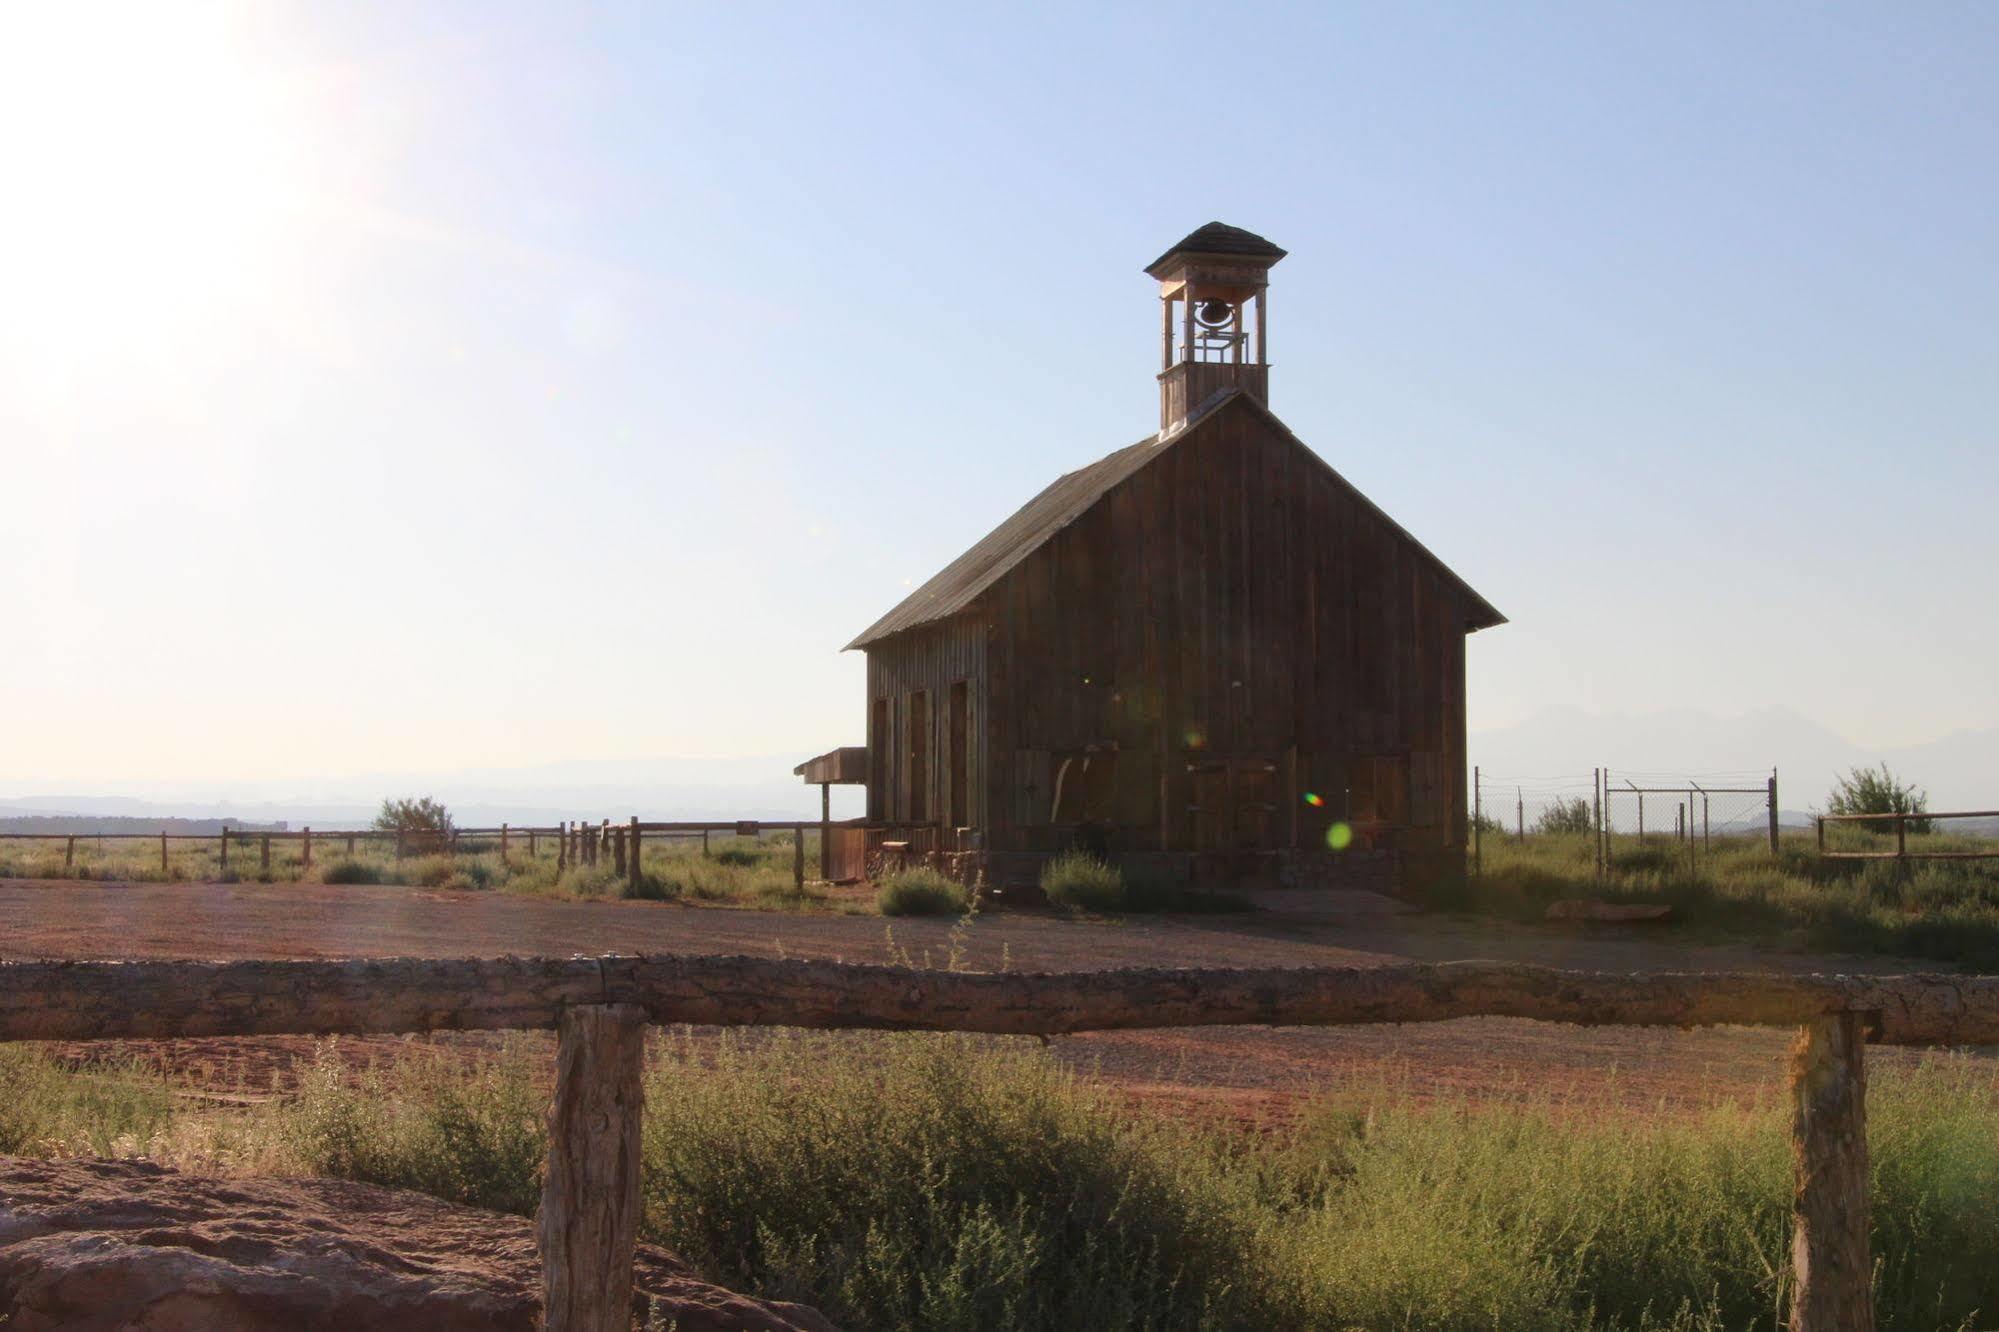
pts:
pixel 83 825
pixel 1959 771
pixel 737 787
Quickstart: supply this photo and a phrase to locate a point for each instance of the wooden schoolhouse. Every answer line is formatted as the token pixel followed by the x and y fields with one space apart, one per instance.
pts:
pixel 1204 654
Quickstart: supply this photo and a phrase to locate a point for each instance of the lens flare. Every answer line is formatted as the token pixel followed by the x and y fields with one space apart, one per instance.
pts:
pixel 1195 739
pixel 1339 837
pixel 1314 799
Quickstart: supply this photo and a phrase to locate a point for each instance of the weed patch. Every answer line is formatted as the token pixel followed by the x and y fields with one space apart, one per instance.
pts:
pixel 921 891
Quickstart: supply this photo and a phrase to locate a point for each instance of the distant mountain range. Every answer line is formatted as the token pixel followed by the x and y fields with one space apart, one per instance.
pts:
pixel 1959 771
pixel 754 787
pixel 85 825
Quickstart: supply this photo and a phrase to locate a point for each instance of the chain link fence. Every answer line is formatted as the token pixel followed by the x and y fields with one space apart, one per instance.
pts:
pixel 1617 810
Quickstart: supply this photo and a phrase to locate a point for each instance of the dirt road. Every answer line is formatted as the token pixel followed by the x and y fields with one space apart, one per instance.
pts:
pixel 1236 1071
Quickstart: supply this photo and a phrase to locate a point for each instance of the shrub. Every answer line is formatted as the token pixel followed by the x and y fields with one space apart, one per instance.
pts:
pixel 48 1110
pixel 652 888
pixel 940 1183
pixel 921 891
pixel 428 1123
pixel 350 871
pixel 430 872
pixel 413 814
pixel 1567 816
pixel 736 854
pixel 1081 882
pixel 1879 791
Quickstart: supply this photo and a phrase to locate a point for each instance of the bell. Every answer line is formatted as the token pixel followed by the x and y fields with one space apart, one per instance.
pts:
pixel 1214 314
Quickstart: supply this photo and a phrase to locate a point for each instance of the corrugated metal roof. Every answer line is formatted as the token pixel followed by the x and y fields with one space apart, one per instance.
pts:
pixel 960 582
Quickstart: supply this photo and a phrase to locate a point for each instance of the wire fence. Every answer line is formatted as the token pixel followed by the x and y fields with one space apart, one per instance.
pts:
pixel 1693 812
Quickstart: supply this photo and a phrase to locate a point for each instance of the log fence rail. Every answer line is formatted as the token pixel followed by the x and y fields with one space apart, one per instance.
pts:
pixel 576 843
pixel 1872 822
pixel 599 1007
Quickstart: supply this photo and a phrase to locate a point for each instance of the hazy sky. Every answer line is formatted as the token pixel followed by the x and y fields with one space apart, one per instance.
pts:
pixel 435 385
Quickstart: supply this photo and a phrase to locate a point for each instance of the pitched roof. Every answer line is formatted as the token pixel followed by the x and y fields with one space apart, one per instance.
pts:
pixel 1221 238
pixel 958 583
pixel 1069 497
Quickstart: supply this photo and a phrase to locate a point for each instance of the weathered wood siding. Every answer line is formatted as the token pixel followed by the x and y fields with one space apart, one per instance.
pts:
pixel 1233 600
pixel 926 661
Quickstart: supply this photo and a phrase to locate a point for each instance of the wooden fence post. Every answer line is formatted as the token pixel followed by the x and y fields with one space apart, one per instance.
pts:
pixel 587 1228
pixel 69 852
pixel 503 844
pixel 1830 1263
pixel 264 854
pixel 1901 836
pixel 618 852
pixel 350 844
pixel 1596 820
pixel 704 843
pixel 562 846
pixel 826 832
pixel 1773 811
pixel 1477 824
pixel 798 856
pixel 399 843
pixel 163 850
pixel 533 844
pixel 634 880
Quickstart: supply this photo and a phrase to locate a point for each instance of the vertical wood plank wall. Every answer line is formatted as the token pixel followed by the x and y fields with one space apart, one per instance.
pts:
pixel 1231 598
pixel 926 660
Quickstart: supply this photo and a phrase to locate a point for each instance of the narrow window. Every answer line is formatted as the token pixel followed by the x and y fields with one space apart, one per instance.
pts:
pixel 878 742
pixel 960 742
pixel 919 756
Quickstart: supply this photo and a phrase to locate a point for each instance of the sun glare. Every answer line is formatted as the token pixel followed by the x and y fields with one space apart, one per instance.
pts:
pixel 147 176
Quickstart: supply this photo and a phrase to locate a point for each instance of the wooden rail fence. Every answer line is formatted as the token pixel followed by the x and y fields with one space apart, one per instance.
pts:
pixel 576 843
pixel 599 1005
pixel 1902 822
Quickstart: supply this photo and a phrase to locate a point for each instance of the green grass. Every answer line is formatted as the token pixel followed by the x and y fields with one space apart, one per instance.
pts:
pixel 944 1182
pixel 1941 911
pixel 48 1110
pixel 1082 882
pixel 744 871
pixel 474 1136
pixel 958 1183
pixel 922 891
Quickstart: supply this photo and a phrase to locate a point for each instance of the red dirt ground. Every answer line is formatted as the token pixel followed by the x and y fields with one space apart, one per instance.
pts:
pixel 1241 1074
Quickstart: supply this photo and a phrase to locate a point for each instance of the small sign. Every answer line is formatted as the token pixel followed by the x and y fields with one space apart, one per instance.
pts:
pixel 750 828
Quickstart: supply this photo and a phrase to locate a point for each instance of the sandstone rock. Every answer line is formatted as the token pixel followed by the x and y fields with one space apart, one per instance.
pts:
pixel 93 1246
pixel 1594 911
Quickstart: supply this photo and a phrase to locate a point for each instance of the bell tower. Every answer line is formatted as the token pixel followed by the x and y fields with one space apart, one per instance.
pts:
pixel 1207 344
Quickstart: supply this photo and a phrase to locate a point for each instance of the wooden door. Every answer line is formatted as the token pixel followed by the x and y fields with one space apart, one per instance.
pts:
pixel 1233 803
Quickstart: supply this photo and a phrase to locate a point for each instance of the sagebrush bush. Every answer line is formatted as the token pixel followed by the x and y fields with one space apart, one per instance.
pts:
pixel 949 1182
pixel 921 891
pixel 1880 791
pixel 473 1135
pixel 351 871
pixel 49 1110
pixel 1082 882
pixel 940 1183
pixel 1941 910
